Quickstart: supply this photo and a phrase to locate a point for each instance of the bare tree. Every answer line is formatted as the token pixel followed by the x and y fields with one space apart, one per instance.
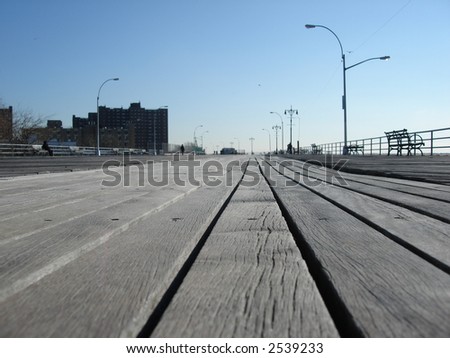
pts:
pixel 25 124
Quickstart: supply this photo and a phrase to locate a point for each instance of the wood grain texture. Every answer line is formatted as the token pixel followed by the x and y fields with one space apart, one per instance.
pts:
pixel 432 169
pixel 428 235
pixel 249 280
pixel 436 209
pixel 81 260
pixel 110 290
pixel 433 191
pixel 389 291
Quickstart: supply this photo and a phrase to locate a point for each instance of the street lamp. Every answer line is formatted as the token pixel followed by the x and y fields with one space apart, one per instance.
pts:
pixel 270 146
pixel 291 112
pixel 344 69
pixel 98 113
pixel 282 128
pixel 276 128
pixel 195 138
pixel 251 144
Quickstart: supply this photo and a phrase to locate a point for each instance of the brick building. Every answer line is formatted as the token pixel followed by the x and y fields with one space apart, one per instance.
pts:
pixel 135 127
pixel 6 124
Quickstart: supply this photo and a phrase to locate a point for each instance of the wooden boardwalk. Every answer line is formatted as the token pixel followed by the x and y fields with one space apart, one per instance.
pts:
pixel 248 247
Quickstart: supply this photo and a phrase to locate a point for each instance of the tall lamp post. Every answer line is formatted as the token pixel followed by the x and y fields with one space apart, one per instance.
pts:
pixel 344 69
pixel 98 113
pixel 291 112
pixel 282 128
pixel 276 128
pixel 251 144
pixel 270 146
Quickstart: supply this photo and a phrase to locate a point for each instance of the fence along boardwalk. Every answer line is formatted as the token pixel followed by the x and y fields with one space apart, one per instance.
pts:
pixel 368 260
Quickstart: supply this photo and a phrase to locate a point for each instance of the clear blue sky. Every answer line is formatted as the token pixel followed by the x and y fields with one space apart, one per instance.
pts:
pixel 227 64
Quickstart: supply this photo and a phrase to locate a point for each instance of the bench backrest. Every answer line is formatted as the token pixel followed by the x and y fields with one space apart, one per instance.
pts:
pixel 399 136
pixel 403 133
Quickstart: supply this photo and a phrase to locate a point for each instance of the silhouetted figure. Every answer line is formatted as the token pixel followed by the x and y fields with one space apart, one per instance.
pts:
pixel 46 147
pixel 289 148
pixel 182 149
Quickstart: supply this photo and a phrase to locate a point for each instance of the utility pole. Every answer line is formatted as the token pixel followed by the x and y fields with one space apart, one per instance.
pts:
pixel 282 128
pixel 291 112
pixel 251 144
pixel 276 128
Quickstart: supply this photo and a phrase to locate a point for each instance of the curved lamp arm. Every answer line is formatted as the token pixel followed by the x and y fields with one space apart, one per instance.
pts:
pixel 309 26
pixel 383 58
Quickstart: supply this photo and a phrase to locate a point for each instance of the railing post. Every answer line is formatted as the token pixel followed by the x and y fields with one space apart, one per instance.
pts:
pixel 380 145
pixel 431 144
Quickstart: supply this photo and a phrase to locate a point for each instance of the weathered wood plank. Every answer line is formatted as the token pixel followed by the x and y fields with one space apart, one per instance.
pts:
pixel 33 244
pixel 389 291
pixel 396 182
pixel 433 169
pixel 434 191
pixel 436 209
pixel 249 280
pixel 21 259
pixel 111 290
pixel 426 234
pixel 61 199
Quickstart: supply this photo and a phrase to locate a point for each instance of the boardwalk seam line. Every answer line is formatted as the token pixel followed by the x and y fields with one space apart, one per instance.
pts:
pixel 338 311
pixel 393 202
pixel 171 291
pixel 423 255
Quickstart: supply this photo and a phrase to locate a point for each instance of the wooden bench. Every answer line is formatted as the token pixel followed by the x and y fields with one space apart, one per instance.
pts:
pixel 400 139
pixel 355 149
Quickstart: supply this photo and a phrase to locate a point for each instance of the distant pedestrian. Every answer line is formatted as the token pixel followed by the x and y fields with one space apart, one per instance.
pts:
pixel 46 147
pixel 289 148
pixel 182 149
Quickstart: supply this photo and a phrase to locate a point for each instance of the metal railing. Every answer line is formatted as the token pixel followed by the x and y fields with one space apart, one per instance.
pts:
pixel 436 141
pixel 8 150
